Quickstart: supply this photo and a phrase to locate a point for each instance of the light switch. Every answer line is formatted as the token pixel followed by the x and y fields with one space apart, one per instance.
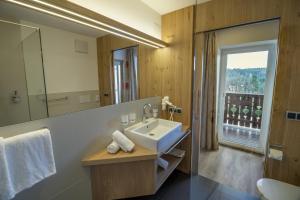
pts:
pixel 97 98
pixel 84 98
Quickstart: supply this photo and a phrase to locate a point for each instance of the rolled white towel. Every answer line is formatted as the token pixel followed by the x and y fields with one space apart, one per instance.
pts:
pixel 162 163
pixel 126 144
pixel 113 147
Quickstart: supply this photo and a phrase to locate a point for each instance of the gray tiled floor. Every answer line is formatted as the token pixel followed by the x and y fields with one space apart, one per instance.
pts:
pixel 180 186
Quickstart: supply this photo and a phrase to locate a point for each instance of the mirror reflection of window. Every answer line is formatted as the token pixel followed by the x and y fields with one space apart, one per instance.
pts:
pixel 125 75
pixel 117 82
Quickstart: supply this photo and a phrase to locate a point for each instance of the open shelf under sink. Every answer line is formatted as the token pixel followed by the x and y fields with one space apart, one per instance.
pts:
pixel 163 174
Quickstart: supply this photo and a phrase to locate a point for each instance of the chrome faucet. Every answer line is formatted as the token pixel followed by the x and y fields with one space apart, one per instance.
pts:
pixel 147 110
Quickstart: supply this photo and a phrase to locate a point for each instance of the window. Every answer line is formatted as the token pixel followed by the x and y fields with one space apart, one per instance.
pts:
pixel 246 72
pixel 246 79
pixel 117 81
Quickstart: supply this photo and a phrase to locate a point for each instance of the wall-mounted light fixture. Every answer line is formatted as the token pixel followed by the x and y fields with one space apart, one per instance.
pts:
pixel 58 11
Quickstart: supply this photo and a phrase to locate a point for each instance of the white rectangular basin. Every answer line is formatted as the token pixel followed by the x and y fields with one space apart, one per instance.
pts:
pixel 155 134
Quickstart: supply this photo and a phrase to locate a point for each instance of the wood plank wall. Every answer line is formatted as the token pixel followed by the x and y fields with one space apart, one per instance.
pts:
pixel 218 14
pixel 105 47
pixel 166 71
pixel 177 30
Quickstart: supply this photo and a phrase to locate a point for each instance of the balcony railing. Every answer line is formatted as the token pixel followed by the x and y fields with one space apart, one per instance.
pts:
pixel 244 110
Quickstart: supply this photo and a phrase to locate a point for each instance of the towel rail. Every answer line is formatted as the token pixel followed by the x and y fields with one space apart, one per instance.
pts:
pixel 178 141
pixel 59 99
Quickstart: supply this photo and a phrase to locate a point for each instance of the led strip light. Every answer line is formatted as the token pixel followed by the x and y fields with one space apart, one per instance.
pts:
pixel 8 22
pixel 124 35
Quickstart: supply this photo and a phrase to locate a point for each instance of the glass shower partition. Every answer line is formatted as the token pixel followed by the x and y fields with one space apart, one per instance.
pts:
pixel 22 85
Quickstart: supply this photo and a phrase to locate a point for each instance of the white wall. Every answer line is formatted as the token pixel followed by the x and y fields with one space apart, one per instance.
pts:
pixel 248 33
pixel 133 13
pixel 74 136
pixel 65 69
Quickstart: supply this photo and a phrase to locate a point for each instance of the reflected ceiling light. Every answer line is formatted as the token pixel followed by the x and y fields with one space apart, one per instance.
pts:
pixel 122 33
pixel 9 22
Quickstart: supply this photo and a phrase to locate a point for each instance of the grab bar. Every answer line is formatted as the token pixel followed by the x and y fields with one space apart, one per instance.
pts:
pixel 59 99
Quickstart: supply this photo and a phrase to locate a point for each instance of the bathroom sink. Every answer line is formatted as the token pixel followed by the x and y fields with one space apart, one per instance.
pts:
pixel 155 134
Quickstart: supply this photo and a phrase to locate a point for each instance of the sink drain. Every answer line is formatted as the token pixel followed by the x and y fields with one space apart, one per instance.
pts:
pixel 151 134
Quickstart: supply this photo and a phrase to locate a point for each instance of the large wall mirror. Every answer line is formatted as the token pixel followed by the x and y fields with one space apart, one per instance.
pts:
pixel 50 66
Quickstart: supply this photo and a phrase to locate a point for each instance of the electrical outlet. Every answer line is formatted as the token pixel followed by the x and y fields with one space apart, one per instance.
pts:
pixel 176 110
pixel 291 115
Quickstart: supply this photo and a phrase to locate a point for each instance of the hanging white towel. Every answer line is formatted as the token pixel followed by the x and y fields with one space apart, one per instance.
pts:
pixel 4 178
pixel 29 159
pixel 126 144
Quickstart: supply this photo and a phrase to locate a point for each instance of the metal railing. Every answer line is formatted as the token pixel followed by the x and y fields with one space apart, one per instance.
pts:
pixel 244 110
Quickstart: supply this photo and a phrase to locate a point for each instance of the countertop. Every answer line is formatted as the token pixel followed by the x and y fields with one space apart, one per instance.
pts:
pixel 139 153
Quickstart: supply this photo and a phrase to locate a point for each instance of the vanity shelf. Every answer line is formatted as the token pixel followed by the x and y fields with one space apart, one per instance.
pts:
pixel 103 157
pixel 125 175
pixel 162 174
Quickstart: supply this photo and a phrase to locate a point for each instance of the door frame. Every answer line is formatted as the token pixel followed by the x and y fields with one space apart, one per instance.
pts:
pixel 271 47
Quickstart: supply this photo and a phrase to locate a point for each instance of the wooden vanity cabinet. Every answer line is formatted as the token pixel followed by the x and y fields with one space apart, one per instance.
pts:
pixel 125 175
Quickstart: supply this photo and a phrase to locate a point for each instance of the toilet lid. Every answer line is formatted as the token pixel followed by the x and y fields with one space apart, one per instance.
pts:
pixel 276 190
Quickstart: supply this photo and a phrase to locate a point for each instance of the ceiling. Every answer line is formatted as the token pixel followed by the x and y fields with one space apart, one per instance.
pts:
pixel 14 13
pixel 166 6
pixel 133 13
pixel 143 15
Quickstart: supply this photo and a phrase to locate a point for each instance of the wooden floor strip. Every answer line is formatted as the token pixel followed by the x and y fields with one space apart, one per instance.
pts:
pixel 232 167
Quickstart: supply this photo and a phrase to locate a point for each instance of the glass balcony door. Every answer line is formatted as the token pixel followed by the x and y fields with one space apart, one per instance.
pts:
pixel 246 79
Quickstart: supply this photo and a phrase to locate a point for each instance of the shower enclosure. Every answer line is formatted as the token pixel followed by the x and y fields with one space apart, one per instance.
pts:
pixel 22 85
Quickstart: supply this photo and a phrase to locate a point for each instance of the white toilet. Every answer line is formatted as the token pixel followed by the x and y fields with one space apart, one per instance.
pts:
pixel 271 189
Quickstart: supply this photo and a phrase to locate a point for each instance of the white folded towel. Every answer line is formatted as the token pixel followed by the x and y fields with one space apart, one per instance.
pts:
pixel 29 158
pixel 113 147
pixel 162 163
pixel 126 144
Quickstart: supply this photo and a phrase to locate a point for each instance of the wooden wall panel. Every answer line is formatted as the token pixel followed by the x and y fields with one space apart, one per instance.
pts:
pixel 166 71
pixel 218 14
pixel 287 95
pixel 176 60
pixel 163 72
pixel 105 47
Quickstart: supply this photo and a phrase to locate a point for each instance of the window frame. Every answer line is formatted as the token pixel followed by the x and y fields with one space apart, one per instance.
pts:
pixel 271 47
